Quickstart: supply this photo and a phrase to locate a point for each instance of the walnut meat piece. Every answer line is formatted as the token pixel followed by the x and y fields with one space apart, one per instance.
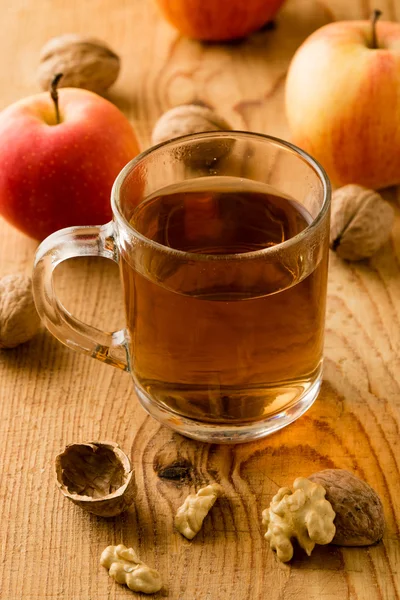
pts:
pixel 84 62
pixel 126 568
pixel 304 515
pixel 361 222
pixel 359 516
pixel 97 476
pixel 19 320
pixel 190 516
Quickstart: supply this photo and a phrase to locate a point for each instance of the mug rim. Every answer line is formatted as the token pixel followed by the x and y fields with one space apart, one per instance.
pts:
pixel 312 162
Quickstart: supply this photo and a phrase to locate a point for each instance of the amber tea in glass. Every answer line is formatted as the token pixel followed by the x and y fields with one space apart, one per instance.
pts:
pixel 238 342
pixel 223 250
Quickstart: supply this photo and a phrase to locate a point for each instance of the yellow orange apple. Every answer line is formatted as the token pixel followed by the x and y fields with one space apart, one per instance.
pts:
pixel 218 20
pixel 57 172
pixel 343 101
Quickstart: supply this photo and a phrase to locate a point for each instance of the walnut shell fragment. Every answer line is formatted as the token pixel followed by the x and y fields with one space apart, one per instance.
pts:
pixel 85 62
pixel 97 476
pixel 359 519
pixel 19 320
pixel 361 222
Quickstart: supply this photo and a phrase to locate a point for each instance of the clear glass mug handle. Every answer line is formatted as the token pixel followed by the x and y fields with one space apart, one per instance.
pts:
pixel 68 243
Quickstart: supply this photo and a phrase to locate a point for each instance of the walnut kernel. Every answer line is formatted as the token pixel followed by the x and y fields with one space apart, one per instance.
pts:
pixel 190 516
pixel 304 514
pixel 126 568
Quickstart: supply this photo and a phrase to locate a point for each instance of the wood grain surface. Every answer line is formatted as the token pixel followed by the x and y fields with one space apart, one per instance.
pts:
pixel 50 396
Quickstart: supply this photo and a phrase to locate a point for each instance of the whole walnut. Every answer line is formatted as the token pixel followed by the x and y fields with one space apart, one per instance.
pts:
pixel 19 320
pixel 189 119
pixel 84 62
pixel 186 119
pixel 359 518
pixel 361 222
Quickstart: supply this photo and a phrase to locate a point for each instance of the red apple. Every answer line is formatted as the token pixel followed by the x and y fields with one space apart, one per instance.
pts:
pixel 343 101
pixel 52 174
pixel 218 20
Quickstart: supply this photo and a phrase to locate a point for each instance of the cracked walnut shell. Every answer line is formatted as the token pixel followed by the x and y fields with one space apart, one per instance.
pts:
pixel 303 514
pixel 97 476
pixel 84 62
pixel 361 222
pixel 359 519
pixel 19 320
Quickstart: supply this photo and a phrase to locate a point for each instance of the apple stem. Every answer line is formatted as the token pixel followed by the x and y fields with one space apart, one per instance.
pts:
pixel 374 18
pixel 54 94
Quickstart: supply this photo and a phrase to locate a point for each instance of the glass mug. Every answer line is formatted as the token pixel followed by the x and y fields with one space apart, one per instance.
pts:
pixel 222 241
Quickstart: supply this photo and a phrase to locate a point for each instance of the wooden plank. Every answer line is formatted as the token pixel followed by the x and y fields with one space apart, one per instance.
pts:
pixel 50 396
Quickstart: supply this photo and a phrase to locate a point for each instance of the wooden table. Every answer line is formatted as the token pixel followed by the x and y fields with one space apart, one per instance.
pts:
pixel 51 396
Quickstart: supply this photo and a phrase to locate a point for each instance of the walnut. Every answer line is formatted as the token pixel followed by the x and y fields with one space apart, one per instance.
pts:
pixel 194 118
pixel 304 514
pixel 19 320
pixel 85 62
pixel 186 119
pixel 125 567
pixel 97 476
pixel 359 516
pixel 361 222
pixel 190 516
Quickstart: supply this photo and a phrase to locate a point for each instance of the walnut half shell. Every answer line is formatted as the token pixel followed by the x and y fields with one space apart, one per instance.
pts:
pixel 97 476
